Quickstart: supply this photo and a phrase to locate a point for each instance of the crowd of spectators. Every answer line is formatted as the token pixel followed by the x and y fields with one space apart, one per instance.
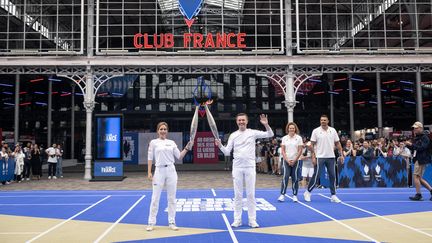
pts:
pixel 24 162
pixel 269 156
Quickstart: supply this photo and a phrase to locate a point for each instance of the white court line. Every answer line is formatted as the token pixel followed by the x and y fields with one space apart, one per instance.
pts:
pixel 67 220
pixel 76 191
pixel 381 217
pixel 118 220
pixel 406 201
pixel 372 193
pixel 337 221
pixel 230 230
pixel 214 192
pixel 46 204
pixel 74 195
pixel 348 189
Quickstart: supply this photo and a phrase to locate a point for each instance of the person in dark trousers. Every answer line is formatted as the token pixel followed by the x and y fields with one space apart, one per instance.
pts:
pixel 27 161
pixel 36 162
pixel 292 147
pixel 324 139
pixel 420 146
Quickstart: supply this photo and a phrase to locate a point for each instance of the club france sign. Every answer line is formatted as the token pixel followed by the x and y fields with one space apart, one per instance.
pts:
pixel 190 9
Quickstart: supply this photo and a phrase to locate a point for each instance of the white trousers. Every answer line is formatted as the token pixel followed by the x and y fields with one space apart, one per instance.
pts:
pixel 249 176
pixel 164 176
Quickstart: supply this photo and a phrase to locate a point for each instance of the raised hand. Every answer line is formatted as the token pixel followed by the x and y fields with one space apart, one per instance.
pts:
pixel 263 119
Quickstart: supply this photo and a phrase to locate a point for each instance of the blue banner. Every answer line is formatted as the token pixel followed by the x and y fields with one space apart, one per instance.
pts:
pixel 428 174
pixel 377 172
pixel 108 169
pixel 7 169
pixel 108 137
pixel 130 148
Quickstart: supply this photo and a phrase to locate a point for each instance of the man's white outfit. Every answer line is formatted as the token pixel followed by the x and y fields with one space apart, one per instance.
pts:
pixel 243 143
pixel 163 152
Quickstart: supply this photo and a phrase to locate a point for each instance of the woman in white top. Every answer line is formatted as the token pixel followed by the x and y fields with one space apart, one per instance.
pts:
pixel 4 158
pixel 292 147
pixel 164 152
pixel 19 162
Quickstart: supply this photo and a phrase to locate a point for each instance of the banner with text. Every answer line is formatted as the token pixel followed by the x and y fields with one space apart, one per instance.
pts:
pixel 130 148
pixel 205 150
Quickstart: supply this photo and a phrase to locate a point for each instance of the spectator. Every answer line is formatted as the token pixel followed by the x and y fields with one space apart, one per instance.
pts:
pixel 27 163
pixel 307 167
pixel 275 159
pixel 4 158
pixel 52 161
pixel 19 162
pixel 367 151
pixel 422 157
pixel 349 149
pixel 380 150
pixel 59 152
pixel 36 162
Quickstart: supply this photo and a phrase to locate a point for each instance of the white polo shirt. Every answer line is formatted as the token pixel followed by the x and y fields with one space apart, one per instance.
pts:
pixel 291 145
pixel 325 142
pixel 243 143
pixel 52 158
pixel 163 151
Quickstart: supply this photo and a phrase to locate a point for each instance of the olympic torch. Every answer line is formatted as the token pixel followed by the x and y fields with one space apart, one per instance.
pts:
pixel 212 123
pixel 194 127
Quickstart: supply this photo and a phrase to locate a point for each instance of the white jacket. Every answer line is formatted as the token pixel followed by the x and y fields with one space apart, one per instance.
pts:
pixel 19 162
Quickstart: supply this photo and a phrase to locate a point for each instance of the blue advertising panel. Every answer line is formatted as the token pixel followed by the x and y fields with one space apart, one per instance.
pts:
pixel 428 174
pixel 130 148
pixel 109 137
pixel 108 169
pixel 376 172
pixel 7 169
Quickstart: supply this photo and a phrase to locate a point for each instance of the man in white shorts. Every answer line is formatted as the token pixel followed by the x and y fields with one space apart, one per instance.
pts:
pixel 307 168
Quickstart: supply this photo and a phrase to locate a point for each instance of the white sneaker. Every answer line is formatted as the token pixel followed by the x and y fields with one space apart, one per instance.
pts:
pixel 253 224
pixel 307 196
pixel 281 198
pixel 54 177
pixel 173 226
pixel 294 198
pixel 236 223
pixel 49 177
pixel 27 179
pixel 335 199
pixel 150 227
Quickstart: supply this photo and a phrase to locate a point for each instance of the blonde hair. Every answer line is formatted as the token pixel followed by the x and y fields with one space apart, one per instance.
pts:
pixel 297 131
pixel 161 124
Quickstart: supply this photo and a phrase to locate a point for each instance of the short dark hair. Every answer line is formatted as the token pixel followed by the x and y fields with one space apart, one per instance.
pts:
pixel 324 115
pixel 242 114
